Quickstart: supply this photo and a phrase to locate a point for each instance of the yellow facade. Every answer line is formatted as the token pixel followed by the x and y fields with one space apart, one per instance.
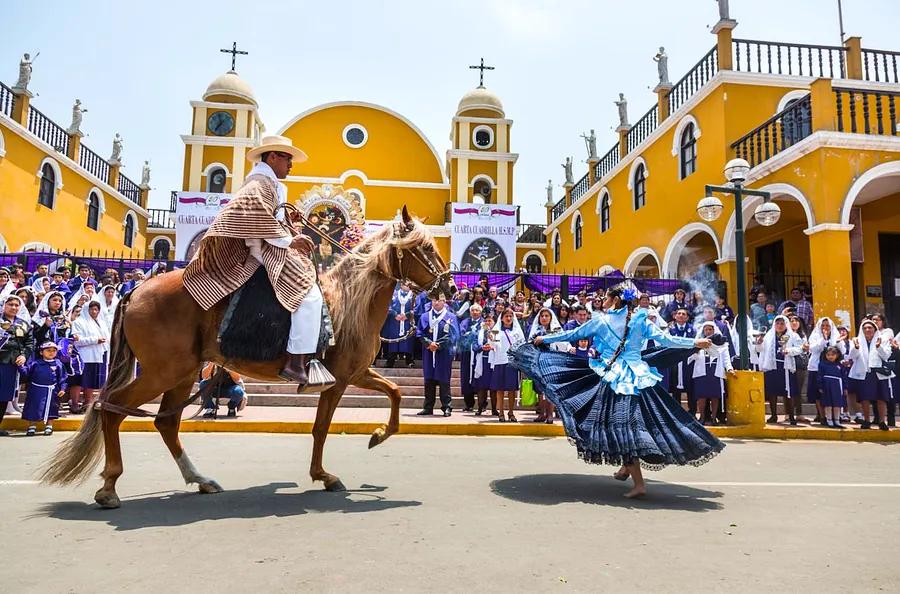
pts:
pixel 27 225
pixel 394 166
pixel 815 163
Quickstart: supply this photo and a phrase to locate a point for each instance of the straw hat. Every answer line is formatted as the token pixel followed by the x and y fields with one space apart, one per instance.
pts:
pixel 276 143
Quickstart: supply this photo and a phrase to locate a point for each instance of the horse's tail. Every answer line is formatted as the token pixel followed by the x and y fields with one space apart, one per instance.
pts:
pixel 76 457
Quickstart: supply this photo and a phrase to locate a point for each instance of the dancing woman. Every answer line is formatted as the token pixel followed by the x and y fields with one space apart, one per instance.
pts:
pixel 612 407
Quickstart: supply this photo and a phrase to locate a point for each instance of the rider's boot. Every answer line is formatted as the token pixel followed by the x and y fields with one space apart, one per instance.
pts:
pixel 295 369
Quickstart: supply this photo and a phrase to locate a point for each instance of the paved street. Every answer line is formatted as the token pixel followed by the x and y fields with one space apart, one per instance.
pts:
pixel 456 514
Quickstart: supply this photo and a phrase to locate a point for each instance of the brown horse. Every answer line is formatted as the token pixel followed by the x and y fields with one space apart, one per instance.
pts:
pixel 163 328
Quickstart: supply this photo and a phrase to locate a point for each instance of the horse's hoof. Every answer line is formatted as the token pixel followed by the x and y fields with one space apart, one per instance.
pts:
pixel 107 500
pixel 210 487
pixel 335 486
pixel 377 437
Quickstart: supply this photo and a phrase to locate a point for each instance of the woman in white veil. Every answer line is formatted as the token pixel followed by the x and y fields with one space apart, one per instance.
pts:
pixel 542 326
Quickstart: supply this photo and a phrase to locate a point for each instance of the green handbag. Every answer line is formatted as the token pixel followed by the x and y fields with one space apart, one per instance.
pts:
pixel 528 396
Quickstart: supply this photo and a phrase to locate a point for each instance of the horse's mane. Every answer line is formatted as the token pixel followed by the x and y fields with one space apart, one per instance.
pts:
pixel 351 283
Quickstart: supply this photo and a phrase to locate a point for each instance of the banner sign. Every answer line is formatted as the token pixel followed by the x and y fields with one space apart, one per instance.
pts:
pixel 194 213
pixel 483 237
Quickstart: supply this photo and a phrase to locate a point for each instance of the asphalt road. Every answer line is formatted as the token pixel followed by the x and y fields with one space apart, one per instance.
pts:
pixel 455 514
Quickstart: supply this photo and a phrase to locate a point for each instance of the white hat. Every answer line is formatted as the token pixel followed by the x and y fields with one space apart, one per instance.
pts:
pixel 280 144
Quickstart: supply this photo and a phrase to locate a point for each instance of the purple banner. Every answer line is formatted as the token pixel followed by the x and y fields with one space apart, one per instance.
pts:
pixel 501 280
pixel 31 260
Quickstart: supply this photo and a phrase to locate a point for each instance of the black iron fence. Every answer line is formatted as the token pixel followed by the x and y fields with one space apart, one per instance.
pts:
pixel 865 111
pixel 579 189
pixel 880 65
pixel 642 128
pixel 129 189
pixel 782 130
pixel 532 233
pixel 776 57
pixel 48 130
pixel 6 100
pixel 691 82
pixel 93 163
pixel 558 209
pixel 777 284
pixel 607 162
pixel 160 218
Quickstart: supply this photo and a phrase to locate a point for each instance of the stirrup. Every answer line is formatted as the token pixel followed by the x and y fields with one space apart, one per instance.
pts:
pixel 319 378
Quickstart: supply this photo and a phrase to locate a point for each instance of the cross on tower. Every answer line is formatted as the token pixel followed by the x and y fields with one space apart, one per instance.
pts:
pixel 481 67
pixel 234 51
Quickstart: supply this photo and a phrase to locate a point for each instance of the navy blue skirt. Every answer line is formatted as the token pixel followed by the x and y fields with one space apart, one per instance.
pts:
pixel 94 375
pixel 611 428
pixel 780 382
pixel 872 388
pixel 505 377
pixel 483 382
pixel 9 382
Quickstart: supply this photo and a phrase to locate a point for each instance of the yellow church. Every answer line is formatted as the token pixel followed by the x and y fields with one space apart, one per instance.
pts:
pixel 365 163
pixel 817 125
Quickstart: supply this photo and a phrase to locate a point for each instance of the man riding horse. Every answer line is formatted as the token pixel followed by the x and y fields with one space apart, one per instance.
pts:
pixel 248 234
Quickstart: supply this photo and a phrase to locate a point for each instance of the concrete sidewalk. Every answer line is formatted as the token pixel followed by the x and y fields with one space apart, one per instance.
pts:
pixel 354 420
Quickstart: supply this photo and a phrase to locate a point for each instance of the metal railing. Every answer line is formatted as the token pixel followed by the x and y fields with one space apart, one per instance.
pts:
pixel 798 59
pixel 607 162
pixel 866 111
pixel 129 189
pixel 172 198
pixel 531 234
pixel 558 209
pixel 880 65
pixel 48 130
pixel 782 130
pixel 579 189
pixel 161 218
pixel 691 82
pixel 93 163
pixel 6 100
pixel 642 128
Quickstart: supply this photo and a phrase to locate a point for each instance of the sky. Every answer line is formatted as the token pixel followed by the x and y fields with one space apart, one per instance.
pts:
pixel 559 65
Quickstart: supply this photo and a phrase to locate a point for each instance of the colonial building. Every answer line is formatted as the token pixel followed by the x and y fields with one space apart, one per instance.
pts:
pixel 818 125
pixel 366 162
pixel 58 194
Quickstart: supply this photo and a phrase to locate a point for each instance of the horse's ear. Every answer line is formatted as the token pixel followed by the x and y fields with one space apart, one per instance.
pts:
pixel 407 220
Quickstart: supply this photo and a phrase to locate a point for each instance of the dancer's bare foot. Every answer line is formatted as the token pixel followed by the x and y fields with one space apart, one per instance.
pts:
pixel 622 474
pixel 636 493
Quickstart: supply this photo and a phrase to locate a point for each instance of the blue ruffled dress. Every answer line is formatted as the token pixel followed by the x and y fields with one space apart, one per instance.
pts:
pixel 620 414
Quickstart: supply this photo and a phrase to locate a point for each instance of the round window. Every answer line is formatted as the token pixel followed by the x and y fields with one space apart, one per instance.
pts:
pixel 483 137
pixel 355 136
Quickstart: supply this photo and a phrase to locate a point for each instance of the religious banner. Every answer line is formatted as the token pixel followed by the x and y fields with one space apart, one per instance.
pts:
pixel 194 213
pixel 336 214
pixel 483 237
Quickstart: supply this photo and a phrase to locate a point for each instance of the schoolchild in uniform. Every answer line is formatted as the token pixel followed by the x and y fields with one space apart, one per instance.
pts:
pixel 46 379
pixel 830 379
pixel 776 359
pixel 710 368
pixel 823 336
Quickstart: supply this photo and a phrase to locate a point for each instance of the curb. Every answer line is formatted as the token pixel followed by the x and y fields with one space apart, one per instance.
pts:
pixel 470 429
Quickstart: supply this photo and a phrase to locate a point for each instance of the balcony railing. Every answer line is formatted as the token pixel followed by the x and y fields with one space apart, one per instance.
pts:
pixel 558 209
pixel 129 189
pixel 161 218
pixel 607 162
pixel 579 189
pixel 531 234
pixel 6 100
pixel 48 131
pixel 865 111
pixel 93 163
pixel 782 130
pixel 642 128
pixel 880 65
pixel 776 57
pixel 691 82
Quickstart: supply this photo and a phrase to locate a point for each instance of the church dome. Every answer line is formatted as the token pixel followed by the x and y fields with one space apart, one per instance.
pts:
pixel 230 85
pixel 480 99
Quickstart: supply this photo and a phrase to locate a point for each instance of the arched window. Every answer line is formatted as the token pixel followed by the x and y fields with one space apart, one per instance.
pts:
pixel 640 186
pixel 533 264
pixel 579 236
pixel 483 190
pixel 93 215
pixel 604 214
pixel 129 230
pixel 557 248
pixel 161 249
pixel 48 186
pixel 215 180
pixel 688 151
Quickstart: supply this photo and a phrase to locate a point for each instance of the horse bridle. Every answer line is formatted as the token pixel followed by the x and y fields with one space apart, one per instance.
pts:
pixel 422 258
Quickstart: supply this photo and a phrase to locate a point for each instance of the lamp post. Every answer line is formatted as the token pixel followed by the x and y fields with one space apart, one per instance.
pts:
pixel 710 208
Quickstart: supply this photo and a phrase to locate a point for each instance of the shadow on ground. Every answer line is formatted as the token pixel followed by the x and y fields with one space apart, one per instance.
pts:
pixel 182 508
pixel 554 489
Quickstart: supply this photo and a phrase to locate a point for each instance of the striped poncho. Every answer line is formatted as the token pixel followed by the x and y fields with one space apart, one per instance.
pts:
pixel 223 262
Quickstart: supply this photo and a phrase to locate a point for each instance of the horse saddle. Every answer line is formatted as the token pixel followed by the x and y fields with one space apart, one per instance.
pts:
pixel 256 326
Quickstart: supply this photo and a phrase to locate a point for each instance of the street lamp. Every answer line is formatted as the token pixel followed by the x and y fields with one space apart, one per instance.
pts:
pixel 710 208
